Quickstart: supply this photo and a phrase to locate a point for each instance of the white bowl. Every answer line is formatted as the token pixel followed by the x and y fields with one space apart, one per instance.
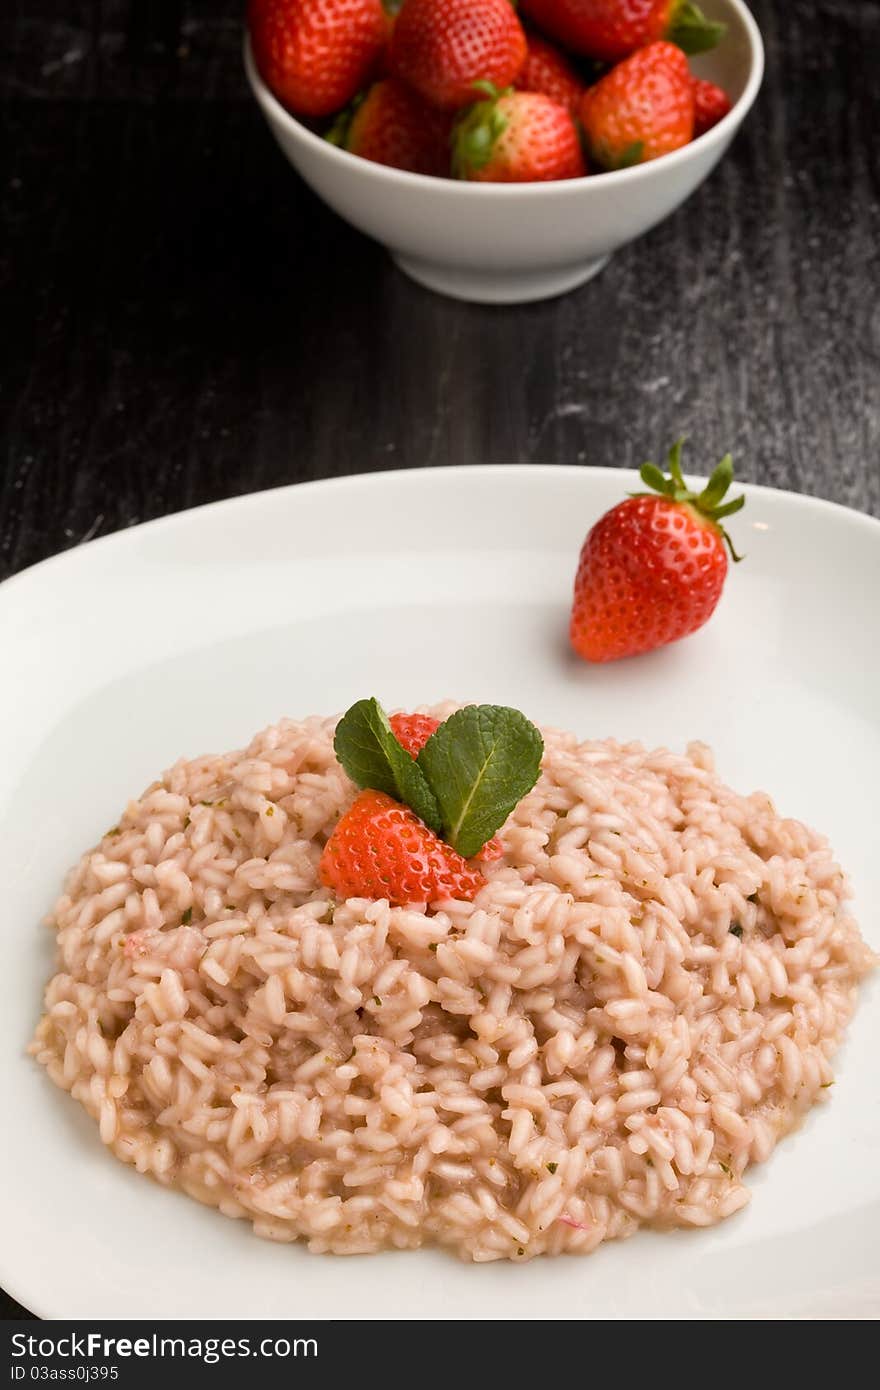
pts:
pixel 507 243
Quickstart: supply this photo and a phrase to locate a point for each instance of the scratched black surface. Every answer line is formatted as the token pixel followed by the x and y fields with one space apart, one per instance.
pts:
pixel 183 321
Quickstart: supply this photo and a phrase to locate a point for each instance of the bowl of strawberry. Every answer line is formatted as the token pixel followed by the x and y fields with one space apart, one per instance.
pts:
pixel 502 153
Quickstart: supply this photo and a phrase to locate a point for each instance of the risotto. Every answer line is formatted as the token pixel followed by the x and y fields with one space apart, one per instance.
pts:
pixel 642 999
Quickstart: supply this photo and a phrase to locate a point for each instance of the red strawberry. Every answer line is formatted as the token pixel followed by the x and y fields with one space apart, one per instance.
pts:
pixel 652 569
pixel 412 731
pixel 516 137
pixel 711 104
pixel 316 54
pixel 549 71
pixel 380 849
pixel 442 47
pixel 613 29
pixel 640 110
pixel 391 125
pixel 383 65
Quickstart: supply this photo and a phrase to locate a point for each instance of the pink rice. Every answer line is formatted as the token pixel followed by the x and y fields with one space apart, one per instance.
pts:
pixel 644 998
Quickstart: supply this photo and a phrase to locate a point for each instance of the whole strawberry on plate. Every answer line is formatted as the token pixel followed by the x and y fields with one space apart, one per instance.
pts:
pixel 612 29
pixel 391 125
pixel 314 55
pixel 640 110
pixel 652 569
pixel 442 47
pixel 516 137
pixel 547 70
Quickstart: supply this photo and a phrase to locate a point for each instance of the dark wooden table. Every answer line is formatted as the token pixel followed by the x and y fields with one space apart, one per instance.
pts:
pixel 183 321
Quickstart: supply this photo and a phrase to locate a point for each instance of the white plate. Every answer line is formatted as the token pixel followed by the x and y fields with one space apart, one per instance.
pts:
pixel 189 634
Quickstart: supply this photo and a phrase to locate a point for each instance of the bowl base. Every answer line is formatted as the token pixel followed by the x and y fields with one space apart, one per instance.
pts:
pixel 501 287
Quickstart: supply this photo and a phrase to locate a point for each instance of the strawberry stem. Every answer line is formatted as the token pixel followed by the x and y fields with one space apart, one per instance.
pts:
pixel 675 465
pixel 709 503
pixel 340 130
pixel 477 130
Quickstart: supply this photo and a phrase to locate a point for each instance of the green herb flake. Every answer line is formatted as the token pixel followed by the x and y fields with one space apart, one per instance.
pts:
pixel 520 1250
pixel 736 930
pixel 432 946
pixel 114 830
pixel 377 1001
pixel 480 763
pixel 206 803
pixel 725 1168
pixel 368 749
pixel 187 823
pixel 187 917
pixel 270 810
pixel 551 1167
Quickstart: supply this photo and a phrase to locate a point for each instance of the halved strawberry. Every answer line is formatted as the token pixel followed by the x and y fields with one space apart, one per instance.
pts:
pixel 380 849
pixel 412 731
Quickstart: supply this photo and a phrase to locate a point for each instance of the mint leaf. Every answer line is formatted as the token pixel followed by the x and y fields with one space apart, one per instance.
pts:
pixel 480 763
pixel 368 750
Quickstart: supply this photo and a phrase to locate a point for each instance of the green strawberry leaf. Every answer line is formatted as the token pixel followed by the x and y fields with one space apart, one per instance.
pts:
pixel 480 763
pixel 651 475
pixel 729 509
pixel 371 755
pixel 692 31
pixel 477 131
pixel 633 154
pixel 708 503
pixel 717 486
pixel 339 133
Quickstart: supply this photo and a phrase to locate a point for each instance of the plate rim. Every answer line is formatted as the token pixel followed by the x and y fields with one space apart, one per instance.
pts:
pixel 171 521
